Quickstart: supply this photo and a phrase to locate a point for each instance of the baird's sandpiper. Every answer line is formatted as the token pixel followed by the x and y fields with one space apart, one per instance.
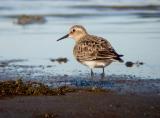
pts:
pixel 90 50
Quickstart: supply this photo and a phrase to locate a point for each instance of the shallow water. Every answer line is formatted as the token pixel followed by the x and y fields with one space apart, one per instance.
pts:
pixel 132 27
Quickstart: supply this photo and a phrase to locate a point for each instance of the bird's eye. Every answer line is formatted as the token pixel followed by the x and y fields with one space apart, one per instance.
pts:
pixel 73 30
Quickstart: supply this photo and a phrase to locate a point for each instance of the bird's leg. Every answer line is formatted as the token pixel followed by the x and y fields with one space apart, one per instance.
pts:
pixel 103 74
pixel 92 74
pixel 92 83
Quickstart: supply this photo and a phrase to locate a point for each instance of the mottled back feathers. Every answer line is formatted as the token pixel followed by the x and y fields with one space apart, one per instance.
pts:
pixel 91 48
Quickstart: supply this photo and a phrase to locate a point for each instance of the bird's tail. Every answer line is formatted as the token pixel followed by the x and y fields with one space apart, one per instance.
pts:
pixel 119 58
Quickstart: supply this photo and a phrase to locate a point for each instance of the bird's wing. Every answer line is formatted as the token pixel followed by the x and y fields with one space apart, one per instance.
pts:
pixel 95 48
pixel 105 50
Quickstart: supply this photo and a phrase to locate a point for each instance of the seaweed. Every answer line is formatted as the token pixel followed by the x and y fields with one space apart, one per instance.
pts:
pixel 17 87
pixel 60 60
pixel 131 64
pixel 20 88
pixel 30 19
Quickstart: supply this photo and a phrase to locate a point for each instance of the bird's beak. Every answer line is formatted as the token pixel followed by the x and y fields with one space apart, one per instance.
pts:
pixel 66 36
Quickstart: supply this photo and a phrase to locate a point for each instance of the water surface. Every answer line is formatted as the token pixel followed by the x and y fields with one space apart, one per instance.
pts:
pixel 132 27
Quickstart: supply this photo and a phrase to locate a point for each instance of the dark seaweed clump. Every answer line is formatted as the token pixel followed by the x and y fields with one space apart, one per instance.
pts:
pixel 20 88
pixel 30 19
pixel 5 63
pixel 131 64
pixel 60 60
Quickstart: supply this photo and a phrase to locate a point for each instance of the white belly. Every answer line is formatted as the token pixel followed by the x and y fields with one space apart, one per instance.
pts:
pixel 97 64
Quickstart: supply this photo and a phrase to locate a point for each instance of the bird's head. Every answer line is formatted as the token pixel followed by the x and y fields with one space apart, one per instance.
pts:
pixel 76 32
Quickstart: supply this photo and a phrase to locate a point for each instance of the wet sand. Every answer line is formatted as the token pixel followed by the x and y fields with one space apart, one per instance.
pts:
pixel 123 97
pixel 82 104
pixel 119 98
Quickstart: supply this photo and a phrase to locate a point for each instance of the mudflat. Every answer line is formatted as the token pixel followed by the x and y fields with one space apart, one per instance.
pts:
pixel 82 104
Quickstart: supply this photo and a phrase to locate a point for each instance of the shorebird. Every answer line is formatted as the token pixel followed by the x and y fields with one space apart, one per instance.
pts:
pixel 90 50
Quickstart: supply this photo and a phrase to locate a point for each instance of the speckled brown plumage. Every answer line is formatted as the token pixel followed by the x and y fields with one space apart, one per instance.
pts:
pixel 91 48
